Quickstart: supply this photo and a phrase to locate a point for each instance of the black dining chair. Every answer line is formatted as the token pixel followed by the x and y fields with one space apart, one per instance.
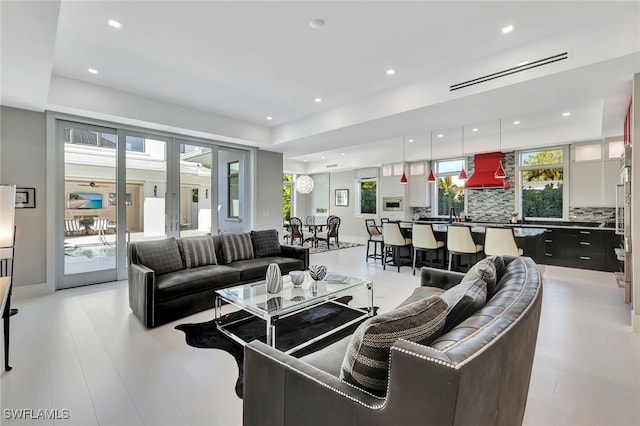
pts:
pixel 375 237
pixel 333 225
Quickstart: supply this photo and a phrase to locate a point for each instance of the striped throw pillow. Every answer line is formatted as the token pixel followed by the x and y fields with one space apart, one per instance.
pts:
pixel 237 247
pixel 198 251
pixel 463 300
pixel 366 363
pixel 486 271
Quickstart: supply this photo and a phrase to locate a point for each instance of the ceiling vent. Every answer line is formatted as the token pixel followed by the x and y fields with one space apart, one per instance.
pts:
pixel 514 70
pixel 330 166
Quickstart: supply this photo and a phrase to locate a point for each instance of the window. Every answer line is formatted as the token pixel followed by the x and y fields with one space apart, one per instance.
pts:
pixel 542 177
pixel 287 191
pixel 134 143
pixel 234 189
pixel 450 190
pixel 88 137
pixel 367 201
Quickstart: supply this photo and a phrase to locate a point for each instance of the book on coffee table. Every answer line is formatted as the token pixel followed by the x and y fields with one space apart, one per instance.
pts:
pixel 335 278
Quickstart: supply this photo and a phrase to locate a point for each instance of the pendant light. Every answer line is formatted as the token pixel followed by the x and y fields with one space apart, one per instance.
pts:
pixel 500 173
pixel 463 174
pixel 403 179
pixel 432 177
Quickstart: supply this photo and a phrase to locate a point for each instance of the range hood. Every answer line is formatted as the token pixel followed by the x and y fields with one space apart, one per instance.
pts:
pixel 485 166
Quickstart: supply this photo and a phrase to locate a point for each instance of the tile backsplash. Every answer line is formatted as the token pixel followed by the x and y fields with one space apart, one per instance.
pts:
pixel 422 211
pixel 592 214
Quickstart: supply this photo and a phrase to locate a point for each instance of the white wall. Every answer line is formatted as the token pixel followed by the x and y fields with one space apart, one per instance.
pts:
pixel 635 216
pixel 23 156
pixel 268 191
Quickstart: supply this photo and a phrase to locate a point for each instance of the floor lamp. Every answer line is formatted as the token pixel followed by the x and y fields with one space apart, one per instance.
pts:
pixel 7 251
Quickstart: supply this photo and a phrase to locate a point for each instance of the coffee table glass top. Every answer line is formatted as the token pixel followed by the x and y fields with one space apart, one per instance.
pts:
pixel 254 298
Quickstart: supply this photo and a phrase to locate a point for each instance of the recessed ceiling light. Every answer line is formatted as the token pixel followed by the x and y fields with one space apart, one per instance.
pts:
pixel 344 153
pixel 318 100
pixel 507 29
pixel 93 70
pixel 515 123
pixel 566 114
pixel 475 129
pixel 304 161
pixel 114 24
pixel 523 63
pixel 316 23
pixel 440 135
pixel 410 140
pixel 391 71
pixel 269 118
pixel 322 157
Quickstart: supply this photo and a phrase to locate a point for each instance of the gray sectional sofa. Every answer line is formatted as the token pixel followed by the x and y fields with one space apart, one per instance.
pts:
pixel 476 372
pixel 173 278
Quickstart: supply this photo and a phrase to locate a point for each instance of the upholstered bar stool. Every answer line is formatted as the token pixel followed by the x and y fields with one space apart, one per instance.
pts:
pixel 460 242
pixel 393 241
pixel 375 237
pixel 500 242
pixel 423 239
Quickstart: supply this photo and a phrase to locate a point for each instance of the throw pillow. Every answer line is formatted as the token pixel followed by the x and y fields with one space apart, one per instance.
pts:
pixel 266 243
pixel 366 363
pixel 198 251
pixel 163 256
pixel 499 262
pixel 463 300
pixel 237 247
pixel 486 271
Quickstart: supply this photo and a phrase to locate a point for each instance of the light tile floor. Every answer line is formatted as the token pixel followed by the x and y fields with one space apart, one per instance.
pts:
pixel 81 349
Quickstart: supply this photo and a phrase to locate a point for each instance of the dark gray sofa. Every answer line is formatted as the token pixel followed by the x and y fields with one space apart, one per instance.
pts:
pixel 160 298
pixel 475 374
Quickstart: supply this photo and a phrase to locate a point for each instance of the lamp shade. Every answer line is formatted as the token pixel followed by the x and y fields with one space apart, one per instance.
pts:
pixel 7 210
pixel 304 184
pixel 403 179
pixel 500 173
pixel 432 177
pixel 462 175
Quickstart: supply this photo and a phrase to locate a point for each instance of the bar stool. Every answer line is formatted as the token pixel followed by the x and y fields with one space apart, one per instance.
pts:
pixel 500 242
pixel 460 242
pixel 393 241
pixel 375 237
pixel 424 240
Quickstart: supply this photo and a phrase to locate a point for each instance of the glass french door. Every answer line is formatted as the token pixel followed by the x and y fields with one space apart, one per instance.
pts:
pixel 121 186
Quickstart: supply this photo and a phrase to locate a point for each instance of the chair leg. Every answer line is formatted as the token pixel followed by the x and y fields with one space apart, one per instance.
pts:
pixel 384 259
pixel 368 244
pixel 414 260
pixel 450 259
pixel 397 256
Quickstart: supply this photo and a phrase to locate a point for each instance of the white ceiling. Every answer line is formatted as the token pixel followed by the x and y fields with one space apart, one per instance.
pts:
pixel 243 61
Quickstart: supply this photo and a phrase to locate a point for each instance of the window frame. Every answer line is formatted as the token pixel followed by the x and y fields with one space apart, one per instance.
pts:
pixel 358 200
pixel 230 199
pixel 564 165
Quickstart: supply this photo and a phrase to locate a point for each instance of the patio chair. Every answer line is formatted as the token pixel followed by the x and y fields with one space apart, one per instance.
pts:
pixel 73 225
pixel 99 226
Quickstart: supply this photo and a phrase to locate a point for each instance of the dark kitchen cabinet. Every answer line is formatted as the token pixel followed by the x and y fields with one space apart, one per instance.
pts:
pixel 579 248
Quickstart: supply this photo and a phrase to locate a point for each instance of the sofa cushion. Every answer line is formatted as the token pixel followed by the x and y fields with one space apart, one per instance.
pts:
pixel 198 251
pixel 163 256
pixel 194 280
pixel 499 262
pixel 366 362
pixel 422 293
pixel 256 269
pixel 237 247
pixel 463 300
pixel 266 243
pixel 486 271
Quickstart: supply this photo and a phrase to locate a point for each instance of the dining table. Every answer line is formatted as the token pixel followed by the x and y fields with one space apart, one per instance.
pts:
pixel 314 228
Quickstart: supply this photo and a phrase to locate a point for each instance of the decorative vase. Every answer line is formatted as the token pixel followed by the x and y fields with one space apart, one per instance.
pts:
pixel 297 278
pixel 317 272
pixel 273 280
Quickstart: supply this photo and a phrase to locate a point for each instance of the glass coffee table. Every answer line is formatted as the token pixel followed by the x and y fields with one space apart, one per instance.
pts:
pixel 292 300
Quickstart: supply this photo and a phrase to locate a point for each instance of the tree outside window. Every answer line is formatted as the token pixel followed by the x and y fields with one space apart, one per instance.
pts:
pixel 287 185
pixel 542 175
pixel 450 190
pixel 368 196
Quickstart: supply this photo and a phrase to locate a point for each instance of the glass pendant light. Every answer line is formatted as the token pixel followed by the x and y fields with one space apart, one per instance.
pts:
pixel 432 177
pixel 500 173
pixel 463 174
pixel 403 179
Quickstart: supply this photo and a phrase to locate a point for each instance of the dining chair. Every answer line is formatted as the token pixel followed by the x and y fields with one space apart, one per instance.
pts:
pixel 309 221
pixel 500 242
pixel 393 241
pixel 384 220
pixel 375 237
pixel 423 239
pixel 295 230
pixel 460 242
pixel 333 225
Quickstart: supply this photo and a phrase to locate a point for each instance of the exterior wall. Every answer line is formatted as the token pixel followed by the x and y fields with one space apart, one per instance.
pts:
pixel 24 163
pixel 493 205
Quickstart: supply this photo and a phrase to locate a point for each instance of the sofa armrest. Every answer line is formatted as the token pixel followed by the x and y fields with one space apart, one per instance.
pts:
pixel 432 277
pixel 282 390
pixel 295 252
pixel 142 285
